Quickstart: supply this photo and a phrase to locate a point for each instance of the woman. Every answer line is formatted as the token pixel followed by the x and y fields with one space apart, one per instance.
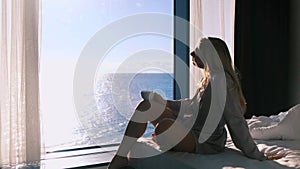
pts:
pixel 205 136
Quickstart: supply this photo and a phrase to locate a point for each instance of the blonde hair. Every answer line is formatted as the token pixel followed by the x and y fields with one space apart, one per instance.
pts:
pixel 224 55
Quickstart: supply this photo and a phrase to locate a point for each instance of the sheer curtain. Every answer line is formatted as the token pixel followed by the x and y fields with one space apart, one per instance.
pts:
pixel 19 83
pixel 210 18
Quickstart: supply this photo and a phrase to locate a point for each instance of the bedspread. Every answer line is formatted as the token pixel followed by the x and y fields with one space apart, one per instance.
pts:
pixel 231 158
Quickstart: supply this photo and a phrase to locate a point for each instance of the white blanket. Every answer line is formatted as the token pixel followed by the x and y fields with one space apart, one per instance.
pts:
pixel 230 159
pixel 284 126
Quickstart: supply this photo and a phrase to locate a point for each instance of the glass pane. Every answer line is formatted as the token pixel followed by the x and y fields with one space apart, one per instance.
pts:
pixel 67 27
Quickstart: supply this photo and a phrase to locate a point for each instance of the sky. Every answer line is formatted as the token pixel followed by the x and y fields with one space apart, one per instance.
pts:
pixel 67 26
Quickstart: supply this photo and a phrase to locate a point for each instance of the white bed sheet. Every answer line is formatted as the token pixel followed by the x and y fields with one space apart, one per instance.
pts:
pixel 285 125
pixel 230 159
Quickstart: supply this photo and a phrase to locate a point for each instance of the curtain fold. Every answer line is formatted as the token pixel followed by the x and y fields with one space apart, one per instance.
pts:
pixel 196 22
pixel 19 83
pixel 264 44
pixel 211 18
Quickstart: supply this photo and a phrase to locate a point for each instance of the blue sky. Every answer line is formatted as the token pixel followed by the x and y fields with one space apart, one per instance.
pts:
pixel 67 25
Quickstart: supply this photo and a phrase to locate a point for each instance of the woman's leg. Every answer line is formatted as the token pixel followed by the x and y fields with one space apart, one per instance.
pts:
pixel 166 120
pixel 134 130
pixel 187 144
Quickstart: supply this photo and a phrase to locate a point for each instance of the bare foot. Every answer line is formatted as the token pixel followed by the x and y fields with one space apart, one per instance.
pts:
pixel 118 162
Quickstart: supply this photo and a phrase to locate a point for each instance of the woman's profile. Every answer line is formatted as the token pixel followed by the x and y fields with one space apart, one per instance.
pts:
pixel 211 55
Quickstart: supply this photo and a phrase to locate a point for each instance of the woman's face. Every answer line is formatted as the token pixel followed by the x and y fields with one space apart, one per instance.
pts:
pixel 197 61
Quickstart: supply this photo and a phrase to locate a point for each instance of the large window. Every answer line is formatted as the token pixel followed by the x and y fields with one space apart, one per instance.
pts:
pixel 67 26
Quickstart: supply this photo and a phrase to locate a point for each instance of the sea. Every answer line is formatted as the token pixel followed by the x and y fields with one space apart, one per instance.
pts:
pixel 116 97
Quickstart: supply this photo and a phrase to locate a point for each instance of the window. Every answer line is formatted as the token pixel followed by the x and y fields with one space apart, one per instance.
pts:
pixel 67 26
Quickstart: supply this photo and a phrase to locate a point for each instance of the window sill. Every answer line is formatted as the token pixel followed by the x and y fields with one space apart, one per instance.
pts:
pixel 85 158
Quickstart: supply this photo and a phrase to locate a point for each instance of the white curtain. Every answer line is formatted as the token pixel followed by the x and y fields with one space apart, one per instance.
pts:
pixel 19 83
pixel 210 18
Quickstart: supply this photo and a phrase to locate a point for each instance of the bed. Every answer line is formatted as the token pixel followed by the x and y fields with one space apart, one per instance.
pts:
pixel 274 134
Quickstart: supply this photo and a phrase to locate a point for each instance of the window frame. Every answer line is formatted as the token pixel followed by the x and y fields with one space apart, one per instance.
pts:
pixel 181 50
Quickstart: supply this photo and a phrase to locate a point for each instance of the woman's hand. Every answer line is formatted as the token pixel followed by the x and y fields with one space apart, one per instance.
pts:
pixel 157 98
pixel 152 97
pixel 274 156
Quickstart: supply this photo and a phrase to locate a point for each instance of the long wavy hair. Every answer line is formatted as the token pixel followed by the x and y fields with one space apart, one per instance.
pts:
pixel 222 51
